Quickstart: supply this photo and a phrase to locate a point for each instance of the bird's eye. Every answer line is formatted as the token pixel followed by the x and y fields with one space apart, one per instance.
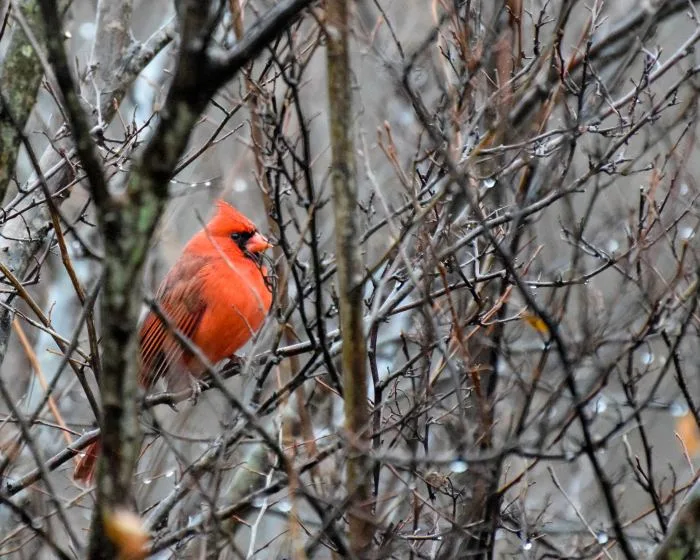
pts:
pixel 241 237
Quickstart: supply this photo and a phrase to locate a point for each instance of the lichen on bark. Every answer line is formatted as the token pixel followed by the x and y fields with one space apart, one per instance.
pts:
pixel 20 76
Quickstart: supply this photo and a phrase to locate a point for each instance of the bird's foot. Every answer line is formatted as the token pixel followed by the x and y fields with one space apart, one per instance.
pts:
pixel 233 366
pixel 196 386
pixel 235 359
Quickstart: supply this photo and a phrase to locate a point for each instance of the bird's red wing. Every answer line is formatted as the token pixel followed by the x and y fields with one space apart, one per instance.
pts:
pixel 179 299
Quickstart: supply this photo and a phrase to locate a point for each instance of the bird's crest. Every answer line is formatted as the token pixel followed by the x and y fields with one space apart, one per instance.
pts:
pixel 228 219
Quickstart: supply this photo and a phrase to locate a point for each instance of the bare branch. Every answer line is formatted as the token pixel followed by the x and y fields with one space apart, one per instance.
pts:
pixel 350 273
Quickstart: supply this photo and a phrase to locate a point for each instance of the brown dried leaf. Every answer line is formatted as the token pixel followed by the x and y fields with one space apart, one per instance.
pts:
pixel 125 529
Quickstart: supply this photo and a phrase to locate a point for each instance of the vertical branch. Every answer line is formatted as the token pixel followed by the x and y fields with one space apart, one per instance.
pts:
pixel 119 422
pixel 349 263
pixel 20 76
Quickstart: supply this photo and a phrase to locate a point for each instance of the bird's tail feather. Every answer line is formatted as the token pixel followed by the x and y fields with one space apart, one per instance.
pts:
pixel 85 469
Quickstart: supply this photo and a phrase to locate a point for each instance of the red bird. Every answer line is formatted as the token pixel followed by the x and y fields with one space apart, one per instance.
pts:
pixel 216 294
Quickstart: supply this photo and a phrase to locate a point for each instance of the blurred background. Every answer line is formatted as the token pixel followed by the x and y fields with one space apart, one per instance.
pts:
pixel 521 165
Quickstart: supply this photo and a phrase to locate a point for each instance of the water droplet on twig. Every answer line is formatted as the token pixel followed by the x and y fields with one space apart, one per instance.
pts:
pixel 678 409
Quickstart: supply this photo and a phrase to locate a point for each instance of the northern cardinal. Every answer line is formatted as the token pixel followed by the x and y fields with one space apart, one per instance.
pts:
pixel 216 294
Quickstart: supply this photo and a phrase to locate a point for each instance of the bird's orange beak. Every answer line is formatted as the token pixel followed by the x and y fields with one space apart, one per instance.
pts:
pixel 258 243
